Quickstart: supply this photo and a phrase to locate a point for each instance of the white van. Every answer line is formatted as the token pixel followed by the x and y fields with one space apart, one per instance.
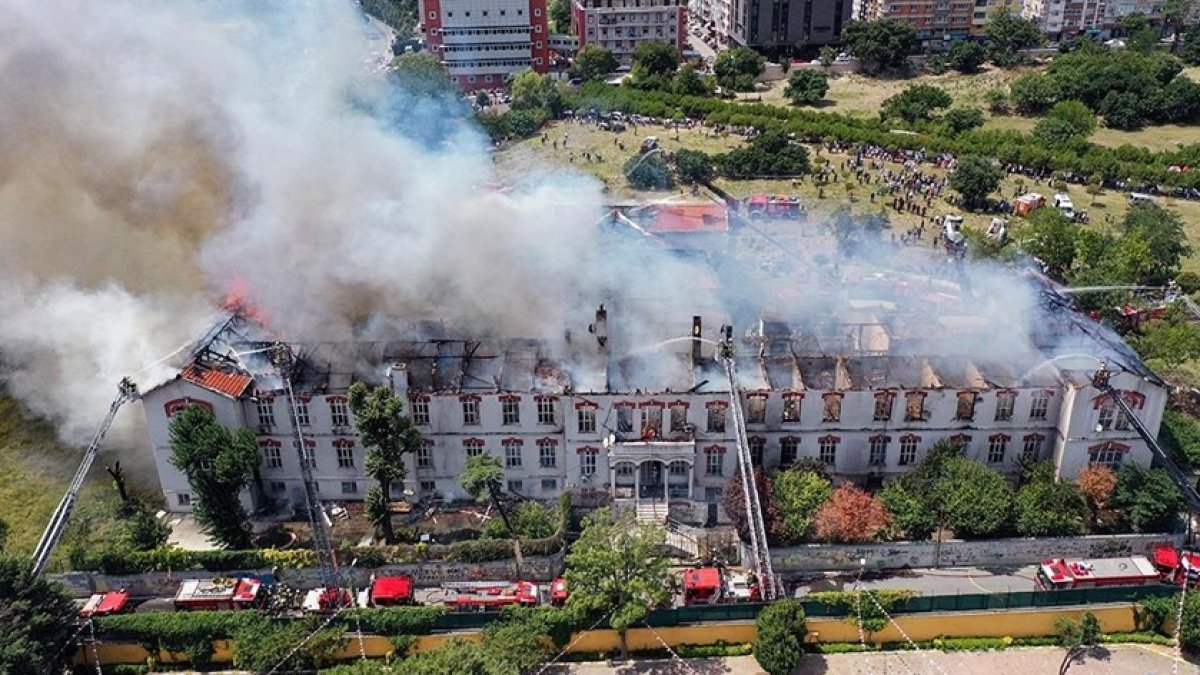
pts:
pixel 1062 202
pixel 1136 198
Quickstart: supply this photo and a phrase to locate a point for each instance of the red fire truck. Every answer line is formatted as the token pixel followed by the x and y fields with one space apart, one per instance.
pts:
pixel 558 592
pixel 387 592
pixel 219 593
pixel 486 596
pixel 321 600
pixel 1176 566
pixel 1059 574
pixel 104 604
pixel 713 585
pixel 772 206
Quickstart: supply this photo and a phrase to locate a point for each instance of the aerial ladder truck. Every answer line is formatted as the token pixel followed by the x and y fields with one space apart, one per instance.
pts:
pixel 761 554
pixel 332 595
pixel 126 391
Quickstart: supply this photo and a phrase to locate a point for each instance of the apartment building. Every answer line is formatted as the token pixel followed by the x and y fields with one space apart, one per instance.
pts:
pixel 483 42
pixel 620 25
pixel 1059 18
pixel 933 19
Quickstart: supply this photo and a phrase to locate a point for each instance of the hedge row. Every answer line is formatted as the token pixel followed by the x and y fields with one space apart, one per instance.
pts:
pixel 1126 162
pixel 170 559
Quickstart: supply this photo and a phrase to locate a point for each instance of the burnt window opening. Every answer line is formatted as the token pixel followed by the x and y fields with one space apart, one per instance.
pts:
pixel 420 411
pixel 678 417
pixel 756 410
pixel 914 406
pixel 624 419
pixel 652 416
pixel 883 407
pixel 965 410
pixel 791 409
pixel 716 419
pixel 833 408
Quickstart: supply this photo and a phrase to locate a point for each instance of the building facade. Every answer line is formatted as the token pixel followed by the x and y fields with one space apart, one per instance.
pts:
pixel 483 42
pixel 933 19
pixel 868 416
pixel 1067 17
pixel 620 25
pixel 768 24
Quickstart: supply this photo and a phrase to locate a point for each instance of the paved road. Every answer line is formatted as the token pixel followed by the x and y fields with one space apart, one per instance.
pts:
pixel 944 581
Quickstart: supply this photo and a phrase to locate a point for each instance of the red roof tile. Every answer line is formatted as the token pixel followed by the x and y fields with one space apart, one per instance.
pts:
pixel 231 384
pixel 688 218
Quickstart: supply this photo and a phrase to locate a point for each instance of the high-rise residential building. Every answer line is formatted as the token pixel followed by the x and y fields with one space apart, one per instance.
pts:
pixel 775 23
pixel 483 42
pixel 620 25
pixel 933 19
pixel 1066 17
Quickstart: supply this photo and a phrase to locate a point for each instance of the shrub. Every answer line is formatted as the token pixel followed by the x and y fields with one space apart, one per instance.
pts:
pixel 779 641
pixel 710 651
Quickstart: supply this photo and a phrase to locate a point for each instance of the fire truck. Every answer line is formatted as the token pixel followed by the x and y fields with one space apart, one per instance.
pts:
pixel 558 592
pixel 321 600
pixel 1058 574
pixel 487 596
pixel 104 604
pixel 1177 566
pixel 219 593
pixel 713 585
pixel 387 592
pixel 773 206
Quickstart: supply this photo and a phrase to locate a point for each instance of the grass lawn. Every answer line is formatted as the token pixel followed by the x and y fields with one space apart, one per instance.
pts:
pixel 520 160
pixel 35 471
pixel 863 96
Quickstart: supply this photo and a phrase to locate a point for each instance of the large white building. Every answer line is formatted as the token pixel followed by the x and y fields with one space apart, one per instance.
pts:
pixel 483 42
pixel 868 399
pixel 620 25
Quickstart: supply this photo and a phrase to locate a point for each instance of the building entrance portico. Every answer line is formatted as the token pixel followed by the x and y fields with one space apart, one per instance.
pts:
pixel 652 470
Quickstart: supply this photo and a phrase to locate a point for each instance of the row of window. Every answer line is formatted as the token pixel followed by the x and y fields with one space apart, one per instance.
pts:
pixel 272 455
pixel 756 411
pixel 339 411
pixel 512 447
pixel 510 411
pixel 493 63
pixel 452 32
pixel 501 47
pixel 503 12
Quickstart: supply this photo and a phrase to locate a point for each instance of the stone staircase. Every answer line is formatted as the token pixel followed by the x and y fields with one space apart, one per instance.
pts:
pixel 652 512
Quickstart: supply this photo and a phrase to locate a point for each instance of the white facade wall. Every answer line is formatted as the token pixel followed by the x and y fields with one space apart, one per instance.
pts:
pixel 1068 430
pixel 627 23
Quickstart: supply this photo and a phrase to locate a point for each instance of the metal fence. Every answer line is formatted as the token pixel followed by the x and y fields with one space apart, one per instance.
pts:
pixel 919 604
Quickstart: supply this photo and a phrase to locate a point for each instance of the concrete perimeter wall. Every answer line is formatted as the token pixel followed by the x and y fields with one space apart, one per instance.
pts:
pixel 799 560
pixel 164 584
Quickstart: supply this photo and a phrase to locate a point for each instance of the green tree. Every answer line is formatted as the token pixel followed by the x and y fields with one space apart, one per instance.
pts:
pixel 879 45
pixel 1179 436
pixel 218 464
pixel 534 91
pixel 1067 121
pixel 560 13
pixel 827 56
pixel 483 479
pixel 974 500
pixel 3 533
pixel 37 621
pixel 1047 507
pixel 915 103
pixel 798 497
pixel 1164 236
pixel 737 68
pixel 261 646
pixel 143 531
pixel 1189 626
pixel 693 166
pixel 958 120
pixel 911 516
pixel 966 56
pixel 593 62
pixel 806 86
pixel 1170 341
pixel 530 520
pixel 779 636
pixel 975 178
pixel 617 568
pixel 1052 238
pixel 1033 93
pixel 997 101
pixel 654 64
pixel 387 435
pixel 1190 52
pixel 1147 498
pixel 1008 34
pixel 1077 637
pixel 688 82
pixel 1123 110
pixel 770 154
pixel 648 171
pixel 1143 39
pixel 422 74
